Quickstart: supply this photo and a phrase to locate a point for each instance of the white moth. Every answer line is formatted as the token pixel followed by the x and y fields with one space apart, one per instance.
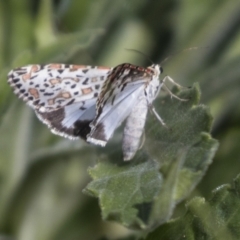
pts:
pixel 91 102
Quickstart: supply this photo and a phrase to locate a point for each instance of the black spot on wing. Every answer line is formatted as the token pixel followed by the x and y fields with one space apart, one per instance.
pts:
pixel 85 70
pixel 48 94
pixel 97 86
pixel 55 118
pixel 82 128
pixel 82 108
pixel 70 102
pixel 41 66
pixel 15 80
pixel 99 133
pixel 36 102
pixel 85 81
pixel 113 99
pixel 33 76
pixel 60 70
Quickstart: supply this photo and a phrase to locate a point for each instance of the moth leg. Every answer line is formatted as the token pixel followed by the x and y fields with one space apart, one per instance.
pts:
pixel 142 140
pixel 156 115
pixel 173 95
pixel 169 91
pixel 172 81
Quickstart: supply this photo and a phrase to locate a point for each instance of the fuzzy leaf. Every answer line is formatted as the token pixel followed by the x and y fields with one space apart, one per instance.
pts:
pixel 217 219
pixel 143 193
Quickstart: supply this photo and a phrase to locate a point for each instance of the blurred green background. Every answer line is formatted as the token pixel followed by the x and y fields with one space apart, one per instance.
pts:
pixel 42 175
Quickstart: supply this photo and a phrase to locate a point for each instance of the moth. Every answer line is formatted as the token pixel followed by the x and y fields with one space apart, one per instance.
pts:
pixel 87 102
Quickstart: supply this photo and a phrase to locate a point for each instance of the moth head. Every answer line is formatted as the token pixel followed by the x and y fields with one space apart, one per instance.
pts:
pixel 157 69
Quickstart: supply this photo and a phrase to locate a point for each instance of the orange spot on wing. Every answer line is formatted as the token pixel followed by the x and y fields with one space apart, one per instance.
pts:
pixel 65 95
pixel 55 66
pixel 34 68
pixel 72 79
pixel 76 67
pixel 34 92
pixel 94 79
pixel 54 81
pixel 27 76
pixel 86 91
pixel 51 101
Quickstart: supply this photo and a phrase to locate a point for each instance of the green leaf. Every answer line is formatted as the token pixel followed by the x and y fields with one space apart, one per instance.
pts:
pixel 42 176
pixel 65 47
pixel 217 219
pixel 13 132
pixel 189 124
pixel 122 189
pixel 19 24
pixel 44 25
pixel 143 193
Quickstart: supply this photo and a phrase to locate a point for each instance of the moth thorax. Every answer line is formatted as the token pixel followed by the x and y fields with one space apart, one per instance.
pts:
pixel 134 128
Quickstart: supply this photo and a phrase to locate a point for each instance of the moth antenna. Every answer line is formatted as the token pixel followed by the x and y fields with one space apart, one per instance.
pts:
pixel 180 51
pixel 139 52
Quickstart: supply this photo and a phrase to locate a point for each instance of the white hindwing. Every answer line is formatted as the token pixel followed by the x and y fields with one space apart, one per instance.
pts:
pixel 63 96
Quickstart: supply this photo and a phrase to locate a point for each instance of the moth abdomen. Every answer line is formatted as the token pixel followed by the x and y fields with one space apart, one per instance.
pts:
pixel 134 129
